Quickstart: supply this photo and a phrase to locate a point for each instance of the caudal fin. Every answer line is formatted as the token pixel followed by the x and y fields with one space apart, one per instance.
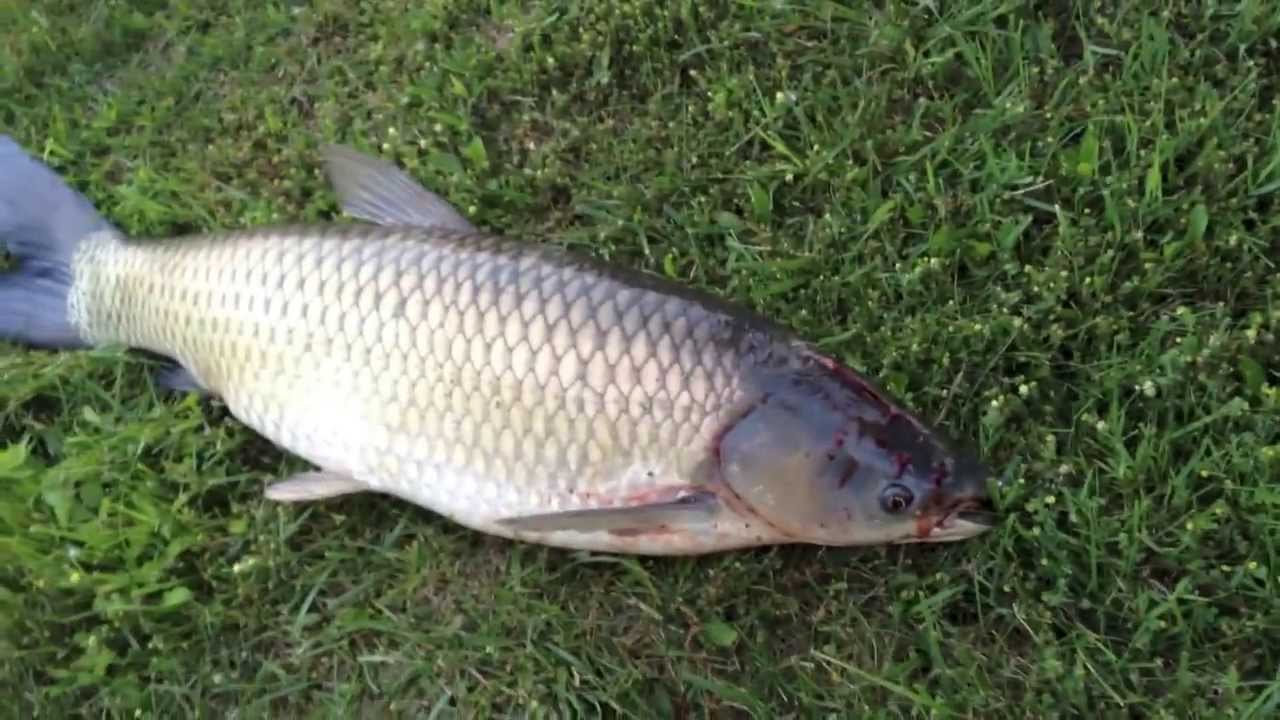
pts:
pixel 42 219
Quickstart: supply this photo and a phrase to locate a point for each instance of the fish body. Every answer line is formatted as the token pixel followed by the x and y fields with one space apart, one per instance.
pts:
pixel 510 386
pixel 481 378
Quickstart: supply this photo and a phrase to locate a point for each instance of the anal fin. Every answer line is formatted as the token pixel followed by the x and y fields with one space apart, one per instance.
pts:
pixel 313 485
pixel 627 520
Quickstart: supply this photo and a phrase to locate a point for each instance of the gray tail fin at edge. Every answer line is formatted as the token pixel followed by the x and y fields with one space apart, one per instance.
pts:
pixel 42 219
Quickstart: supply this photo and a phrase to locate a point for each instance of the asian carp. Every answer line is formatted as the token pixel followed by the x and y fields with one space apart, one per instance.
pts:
pixel 511 386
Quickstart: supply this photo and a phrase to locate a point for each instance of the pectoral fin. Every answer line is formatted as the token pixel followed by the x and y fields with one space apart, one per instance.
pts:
pixel 315 485
pixel 628 520
pixel 377 191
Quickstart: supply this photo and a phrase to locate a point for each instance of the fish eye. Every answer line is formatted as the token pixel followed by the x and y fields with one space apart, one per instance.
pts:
pixel 895 499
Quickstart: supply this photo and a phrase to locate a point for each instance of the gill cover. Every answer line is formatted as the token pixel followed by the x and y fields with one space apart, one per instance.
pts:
pixel 785 460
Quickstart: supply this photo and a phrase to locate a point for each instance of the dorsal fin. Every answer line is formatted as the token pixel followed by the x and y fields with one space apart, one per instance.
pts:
pixel 375 190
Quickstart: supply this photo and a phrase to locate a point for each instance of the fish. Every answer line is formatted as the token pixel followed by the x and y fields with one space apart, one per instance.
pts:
pixel 508 385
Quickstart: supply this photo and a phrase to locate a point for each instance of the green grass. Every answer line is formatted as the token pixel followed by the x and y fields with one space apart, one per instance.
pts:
pixel 1055 229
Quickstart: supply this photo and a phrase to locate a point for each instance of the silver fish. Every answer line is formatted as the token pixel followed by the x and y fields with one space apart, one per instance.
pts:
pixel 512 387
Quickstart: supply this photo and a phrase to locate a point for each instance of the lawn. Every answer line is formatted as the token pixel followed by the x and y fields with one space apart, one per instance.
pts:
pixel 1052 227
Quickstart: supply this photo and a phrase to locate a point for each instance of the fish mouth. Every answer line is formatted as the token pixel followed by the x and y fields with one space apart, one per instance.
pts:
pixel 975 512
pixel 959 521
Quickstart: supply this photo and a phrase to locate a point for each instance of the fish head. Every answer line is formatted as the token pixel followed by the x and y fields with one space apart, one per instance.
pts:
pixel 827 458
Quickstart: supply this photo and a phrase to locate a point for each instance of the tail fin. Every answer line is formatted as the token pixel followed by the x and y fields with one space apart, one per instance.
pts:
pixel 41 221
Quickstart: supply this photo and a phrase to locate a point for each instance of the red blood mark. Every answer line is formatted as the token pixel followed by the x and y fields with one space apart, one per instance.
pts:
pixel 860 386
pixel 658 495
pixel 924 526
pixel 866 391
pixel 903 461
pixel 940 474
pixel 871 397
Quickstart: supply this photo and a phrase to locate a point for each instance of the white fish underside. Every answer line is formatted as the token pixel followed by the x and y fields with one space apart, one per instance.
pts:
pixel 479 378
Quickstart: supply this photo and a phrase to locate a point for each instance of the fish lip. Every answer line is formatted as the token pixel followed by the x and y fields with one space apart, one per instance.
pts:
pixel 984 517
pixel 976 511
pixel 959 520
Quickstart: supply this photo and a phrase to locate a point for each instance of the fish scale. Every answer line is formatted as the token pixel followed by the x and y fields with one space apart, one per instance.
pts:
pixel 466 373
pixel 512 386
